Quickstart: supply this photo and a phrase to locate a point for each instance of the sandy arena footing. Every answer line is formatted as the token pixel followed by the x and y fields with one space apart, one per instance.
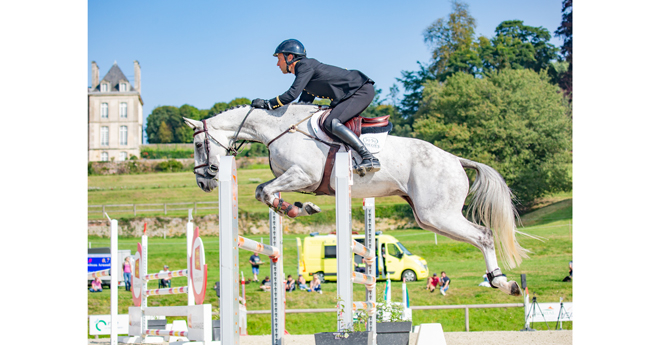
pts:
pixel 452 338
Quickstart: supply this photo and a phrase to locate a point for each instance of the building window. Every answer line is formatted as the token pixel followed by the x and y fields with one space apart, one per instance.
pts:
pixel 123 156
pixel 123 135
pixel 123 110
pixel 104 87
pixel 104 110
pixel 123 87
pixel 105 135
pixel 104 156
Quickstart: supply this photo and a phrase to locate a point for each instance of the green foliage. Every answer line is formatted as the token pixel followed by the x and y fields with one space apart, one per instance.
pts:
pixel 565 32
pixel 171 165
pixel 160 153
pixel 165 125
pixel 454 50
pixel 518 46
pixel 448 36
pixel 255 150
pixel 513 120
pixel 190 112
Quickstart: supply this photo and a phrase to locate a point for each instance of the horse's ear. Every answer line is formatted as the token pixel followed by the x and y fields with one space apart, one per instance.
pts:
pixel 192 123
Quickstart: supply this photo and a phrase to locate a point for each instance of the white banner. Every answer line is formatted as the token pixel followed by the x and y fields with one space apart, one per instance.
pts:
pixel 550 312
pixel 100 324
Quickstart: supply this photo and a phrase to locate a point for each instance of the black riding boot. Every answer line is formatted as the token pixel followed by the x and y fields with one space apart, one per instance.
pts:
pixel 369 162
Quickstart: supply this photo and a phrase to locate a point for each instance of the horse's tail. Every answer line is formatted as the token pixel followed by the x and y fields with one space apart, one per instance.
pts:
pixel 492 205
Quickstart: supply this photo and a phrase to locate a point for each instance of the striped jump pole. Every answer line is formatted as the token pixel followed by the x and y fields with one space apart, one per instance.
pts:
pixel 347 247
pixel 198 314
pixel 369 206
pixel 229 244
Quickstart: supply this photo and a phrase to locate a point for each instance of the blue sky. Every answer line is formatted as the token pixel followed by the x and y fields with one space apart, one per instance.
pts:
pixel 203 52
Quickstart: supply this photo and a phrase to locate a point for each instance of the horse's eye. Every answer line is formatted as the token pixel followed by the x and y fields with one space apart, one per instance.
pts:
pixel 199 145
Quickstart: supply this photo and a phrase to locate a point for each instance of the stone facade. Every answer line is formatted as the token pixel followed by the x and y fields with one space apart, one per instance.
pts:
pixel 114 115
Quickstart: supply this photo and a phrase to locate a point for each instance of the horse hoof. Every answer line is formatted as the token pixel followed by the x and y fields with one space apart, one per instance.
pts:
pixel 311 208
pixel 515 289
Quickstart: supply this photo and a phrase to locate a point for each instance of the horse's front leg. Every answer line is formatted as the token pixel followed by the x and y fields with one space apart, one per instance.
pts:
pixel 292 180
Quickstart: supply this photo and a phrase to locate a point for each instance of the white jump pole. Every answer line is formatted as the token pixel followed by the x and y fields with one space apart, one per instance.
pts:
pixel 189 240
pixel 277 320
pixel 343 181
pixel 228 247
pixel 114 234
pixel 369 206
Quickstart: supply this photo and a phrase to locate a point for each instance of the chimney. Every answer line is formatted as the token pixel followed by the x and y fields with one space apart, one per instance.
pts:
pixel 136 71
pixel 95 75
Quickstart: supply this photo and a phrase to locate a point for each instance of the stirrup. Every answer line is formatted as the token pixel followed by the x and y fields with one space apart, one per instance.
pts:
pixel 367 166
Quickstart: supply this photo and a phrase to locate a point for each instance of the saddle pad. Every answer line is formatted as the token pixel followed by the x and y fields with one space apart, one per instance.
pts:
pixel 373 141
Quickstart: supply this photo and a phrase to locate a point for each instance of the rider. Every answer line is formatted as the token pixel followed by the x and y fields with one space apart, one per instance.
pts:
pixel 350 93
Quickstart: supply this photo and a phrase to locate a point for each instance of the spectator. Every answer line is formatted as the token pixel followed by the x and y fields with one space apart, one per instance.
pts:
pixel 255 261
pixel 127 273
pixel 302 284
pixel 569 277
pixel 165 282
pixel 444 282
pixel 265 284
pixel 290 284
pixel 432 282
pixel 315 284
pixel 96 285
pixel 485 283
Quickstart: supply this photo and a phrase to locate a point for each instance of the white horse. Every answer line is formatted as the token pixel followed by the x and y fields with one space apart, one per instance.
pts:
pixel 431 180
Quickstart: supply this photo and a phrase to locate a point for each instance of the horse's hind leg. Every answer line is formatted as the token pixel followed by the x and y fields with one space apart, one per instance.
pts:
pixel 292 180
pixel 458 228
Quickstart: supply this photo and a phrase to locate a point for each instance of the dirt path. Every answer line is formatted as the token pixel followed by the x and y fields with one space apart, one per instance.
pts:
pixel 452 338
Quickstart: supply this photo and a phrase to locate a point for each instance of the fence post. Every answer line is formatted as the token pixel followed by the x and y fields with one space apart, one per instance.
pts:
pixel 134 210
pixel 195 208
pixel 103 209
pixel 467 319
pixel 165 208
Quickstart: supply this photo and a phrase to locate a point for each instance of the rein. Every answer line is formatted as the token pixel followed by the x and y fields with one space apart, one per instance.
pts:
pixel 231 150
pixel 294 128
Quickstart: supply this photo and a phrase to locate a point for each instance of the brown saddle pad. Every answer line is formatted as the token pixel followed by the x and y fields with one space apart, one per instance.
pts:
pixel 357 123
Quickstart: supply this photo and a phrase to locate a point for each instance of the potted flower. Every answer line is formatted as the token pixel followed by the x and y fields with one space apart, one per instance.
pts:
pixel 391 328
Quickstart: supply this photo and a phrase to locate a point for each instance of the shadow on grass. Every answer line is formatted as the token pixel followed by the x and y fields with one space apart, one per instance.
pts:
pixel 557 211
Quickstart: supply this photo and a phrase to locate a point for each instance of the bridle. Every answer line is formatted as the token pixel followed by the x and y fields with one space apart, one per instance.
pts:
pixel 231 150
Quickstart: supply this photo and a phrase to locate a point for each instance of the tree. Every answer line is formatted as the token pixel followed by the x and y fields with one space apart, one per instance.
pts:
pixel 165 133
pixel 518 46
pixel 565 32
pixel 512 120
pixel 163 114
pixel 238 101
pixel 447 36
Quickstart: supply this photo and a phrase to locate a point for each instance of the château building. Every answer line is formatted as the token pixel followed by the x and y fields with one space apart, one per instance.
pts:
pixel 114 115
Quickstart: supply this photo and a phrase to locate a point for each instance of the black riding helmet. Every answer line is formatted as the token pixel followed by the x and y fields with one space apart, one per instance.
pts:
pixel 291 46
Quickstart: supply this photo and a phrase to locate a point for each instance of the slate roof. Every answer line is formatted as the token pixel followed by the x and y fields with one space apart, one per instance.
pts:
pixel 114 76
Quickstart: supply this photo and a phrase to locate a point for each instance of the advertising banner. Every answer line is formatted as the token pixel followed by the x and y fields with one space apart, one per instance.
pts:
pixel 100 324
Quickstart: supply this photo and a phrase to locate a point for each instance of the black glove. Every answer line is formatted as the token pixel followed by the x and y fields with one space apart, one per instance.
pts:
pixel 261 103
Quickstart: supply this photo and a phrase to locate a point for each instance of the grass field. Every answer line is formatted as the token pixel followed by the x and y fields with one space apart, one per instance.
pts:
pixel 181 187
pixel 464 264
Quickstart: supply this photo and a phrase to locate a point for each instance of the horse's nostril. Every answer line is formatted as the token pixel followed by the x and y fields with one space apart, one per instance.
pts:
pixel 200 184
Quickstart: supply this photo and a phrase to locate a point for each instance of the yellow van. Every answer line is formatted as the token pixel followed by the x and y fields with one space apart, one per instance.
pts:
pixel 318 255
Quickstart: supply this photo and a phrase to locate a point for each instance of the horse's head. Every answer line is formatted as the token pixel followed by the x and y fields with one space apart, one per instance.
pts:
pixel 210 144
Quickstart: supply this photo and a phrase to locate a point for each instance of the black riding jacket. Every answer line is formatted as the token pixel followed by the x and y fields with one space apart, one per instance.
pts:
pixel 315 79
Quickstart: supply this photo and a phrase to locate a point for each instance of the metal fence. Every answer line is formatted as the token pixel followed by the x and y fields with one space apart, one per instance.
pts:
pixel 467 308
pixel 147 208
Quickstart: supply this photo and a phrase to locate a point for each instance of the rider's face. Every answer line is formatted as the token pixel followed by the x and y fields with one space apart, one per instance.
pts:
pixel 281 63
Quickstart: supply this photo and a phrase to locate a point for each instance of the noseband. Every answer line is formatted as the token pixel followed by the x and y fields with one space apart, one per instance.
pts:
pixel 231 150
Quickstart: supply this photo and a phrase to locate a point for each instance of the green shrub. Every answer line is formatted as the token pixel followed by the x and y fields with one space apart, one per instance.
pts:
pixel 171 165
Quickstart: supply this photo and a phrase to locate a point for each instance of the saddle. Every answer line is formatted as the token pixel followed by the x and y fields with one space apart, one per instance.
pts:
pixel 358 123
